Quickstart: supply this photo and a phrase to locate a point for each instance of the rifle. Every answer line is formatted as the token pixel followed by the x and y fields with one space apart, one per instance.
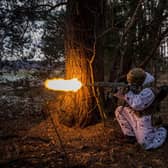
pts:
pixel 124 87
pixel 114 86
pixel 132 87
pixel 109 84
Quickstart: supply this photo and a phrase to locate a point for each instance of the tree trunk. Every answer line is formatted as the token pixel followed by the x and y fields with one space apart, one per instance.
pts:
pixel 83 23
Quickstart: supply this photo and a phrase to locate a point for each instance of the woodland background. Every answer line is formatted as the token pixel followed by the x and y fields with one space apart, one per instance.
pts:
pixel 35 45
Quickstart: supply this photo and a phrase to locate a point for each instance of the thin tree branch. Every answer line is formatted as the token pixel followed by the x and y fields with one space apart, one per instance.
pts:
pixel 110 29
pixel 129 25
pixel 96 94
pixel 131 21
pixel 51 6
pixel 147 59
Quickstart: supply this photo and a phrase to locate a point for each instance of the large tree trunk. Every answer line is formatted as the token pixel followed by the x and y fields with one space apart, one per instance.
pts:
pixel 83 22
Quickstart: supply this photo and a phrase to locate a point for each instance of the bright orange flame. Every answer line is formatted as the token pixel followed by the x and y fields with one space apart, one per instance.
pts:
pixel 63 85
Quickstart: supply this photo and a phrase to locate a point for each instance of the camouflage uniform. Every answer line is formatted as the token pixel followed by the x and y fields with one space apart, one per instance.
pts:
pixel 136 119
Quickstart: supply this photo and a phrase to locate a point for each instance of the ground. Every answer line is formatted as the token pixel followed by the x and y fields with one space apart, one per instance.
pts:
pixel 30 138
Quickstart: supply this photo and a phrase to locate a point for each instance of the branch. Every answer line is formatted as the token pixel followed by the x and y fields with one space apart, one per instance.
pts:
pixel 147 59
pixel 129 25
pixel 107 31
pixel 96 94
pixel 132 20
pixel 51 7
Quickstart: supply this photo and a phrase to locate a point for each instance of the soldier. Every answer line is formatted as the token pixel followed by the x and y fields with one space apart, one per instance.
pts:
pixel 135 118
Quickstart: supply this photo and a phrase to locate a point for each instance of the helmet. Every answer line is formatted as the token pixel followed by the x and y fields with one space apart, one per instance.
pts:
pixel 136 76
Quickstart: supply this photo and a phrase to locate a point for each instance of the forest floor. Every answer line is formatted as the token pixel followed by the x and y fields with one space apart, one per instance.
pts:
pixel 28 139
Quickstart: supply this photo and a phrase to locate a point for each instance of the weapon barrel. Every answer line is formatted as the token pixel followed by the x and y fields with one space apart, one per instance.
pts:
pixel 108 84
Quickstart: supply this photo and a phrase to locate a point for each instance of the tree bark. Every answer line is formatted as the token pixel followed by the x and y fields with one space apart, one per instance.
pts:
pixel 83 22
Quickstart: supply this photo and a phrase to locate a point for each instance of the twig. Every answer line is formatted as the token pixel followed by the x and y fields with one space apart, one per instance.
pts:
pixel 59 139
pixel 102 113
pixel 45 140
pixel 4 163
pixel 9 136
pixel 147 59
